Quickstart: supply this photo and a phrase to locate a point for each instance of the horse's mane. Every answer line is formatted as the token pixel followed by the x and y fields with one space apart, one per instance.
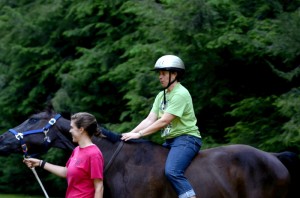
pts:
pixel 111 136
pixel 115 137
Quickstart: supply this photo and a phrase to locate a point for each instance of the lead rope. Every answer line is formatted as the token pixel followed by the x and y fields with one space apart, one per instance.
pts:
pixel 38 179
pixel 24 147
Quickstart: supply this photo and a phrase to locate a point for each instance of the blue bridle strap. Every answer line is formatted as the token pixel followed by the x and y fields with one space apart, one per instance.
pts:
pixel 52 121
pixel 26 133
pixel 44 130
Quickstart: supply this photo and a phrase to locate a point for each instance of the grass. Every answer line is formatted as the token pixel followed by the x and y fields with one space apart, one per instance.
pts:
pixel 19 196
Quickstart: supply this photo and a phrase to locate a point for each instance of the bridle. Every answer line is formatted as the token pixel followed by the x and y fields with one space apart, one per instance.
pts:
pixel 19 135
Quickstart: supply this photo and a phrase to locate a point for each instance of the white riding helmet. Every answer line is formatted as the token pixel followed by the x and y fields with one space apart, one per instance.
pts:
pixel 169 63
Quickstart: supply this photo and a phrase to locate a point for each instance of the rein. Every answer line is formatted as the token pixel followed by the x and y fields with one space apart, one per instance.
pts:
pixel 114 156
pixel 44 130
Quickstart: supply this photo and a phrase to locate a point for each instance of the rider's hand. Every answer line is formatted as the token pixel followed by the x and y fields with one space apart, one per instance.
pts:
pixel 130 135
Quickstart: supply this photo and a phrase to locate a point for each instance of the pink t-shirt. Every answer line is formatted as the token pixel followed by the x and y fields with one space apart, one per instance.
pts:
pixel 84 165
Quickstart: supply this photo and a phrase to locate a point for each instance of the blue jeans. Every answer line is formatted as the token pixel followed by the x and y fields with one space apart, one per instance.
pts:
pixel 183 149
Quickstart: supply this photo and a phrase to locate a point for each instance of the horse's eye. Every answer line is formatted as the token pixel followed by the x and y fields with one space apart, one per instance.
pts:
pixel 32 120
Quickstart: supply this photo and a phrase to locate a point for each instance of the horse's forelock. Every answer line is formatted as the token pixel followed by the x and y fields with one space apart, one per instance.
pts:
pixel 43 114
pixel 49 107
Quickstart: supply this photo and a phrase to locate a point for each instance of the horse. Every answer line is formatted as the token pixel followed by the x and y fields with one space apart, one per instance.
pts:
pixel 135 168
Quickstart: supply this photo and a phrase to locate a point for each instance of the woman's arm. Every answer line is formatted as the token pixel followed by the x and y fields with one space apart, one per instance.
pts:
pixel 60 171
pixel 158 124
pixel 152 128
pixel 99 188
pixel 150 119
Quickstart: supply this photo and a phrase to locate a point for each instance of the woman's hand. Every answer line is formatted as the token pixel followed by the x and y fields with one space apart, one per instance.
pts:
pixel 32 162
pixel 130 135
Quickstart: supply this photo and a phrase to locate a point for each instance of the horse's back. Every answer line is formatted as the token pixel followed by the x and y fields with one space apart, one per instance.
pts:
pixel 139 170
pixel 238 171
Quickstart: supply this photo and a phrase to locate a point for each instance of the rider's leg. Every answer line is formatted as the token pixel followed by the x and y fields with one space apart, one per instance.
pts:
pixel 182 151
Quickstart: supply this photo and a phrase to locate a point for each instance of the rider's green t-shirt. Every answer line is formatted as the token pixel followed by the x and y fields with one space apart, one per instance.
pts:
pixel 179 103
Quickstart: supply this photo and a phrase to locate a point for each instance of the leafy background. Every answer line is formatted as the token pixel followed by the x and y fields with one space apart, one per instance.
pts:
pixel 242 60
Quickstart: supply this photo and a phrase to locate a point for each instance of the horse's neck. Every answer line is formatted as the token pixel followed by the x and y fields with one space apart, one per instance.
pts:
pixel 64 137
pixel 107 147
pixel 104 144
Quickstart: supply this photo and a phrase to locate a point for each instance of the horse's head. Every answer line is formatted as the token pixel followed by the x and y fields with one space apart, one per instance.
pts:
pixel 37 134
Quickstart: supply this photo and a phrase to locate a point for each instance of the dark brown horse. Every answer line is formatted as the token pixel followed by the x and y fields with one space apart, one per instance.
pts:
pixel 136 169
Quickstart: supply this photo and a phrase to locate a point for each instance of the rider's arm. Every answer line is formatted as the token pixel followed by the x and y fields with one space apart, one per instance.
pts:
pixel 149 127
pixel 158 124
pixel 150 119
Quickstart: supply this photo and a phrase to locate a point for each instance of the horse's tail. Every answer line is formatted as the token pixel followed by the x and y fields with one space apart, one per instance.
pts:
pixel 292 162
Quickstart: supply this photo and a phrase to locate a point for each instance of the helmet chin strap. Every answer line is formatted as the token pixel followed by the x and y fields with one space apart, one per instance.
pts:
pixel 169 84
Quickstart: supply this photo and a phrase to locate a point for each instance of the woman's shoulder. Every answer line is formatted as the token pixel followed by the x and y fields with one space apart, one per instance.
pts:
pixel 182 87
pixel 159 95
pixel 180 90
pixel 95 149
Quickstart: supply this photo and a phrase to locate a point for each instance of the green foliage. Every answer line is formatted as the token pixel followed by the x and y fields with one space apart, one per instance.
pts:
pixel 13 171
pixel 19 196
pixel 257 122
pixel 12 167
pixel 288 106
